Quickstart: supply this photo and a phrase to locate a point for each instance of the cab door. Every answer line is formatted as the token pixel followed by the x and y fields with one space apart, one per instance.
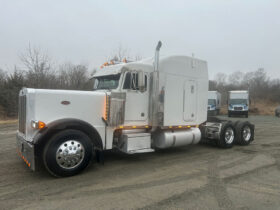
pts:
pixel 136 105
pixel 190 100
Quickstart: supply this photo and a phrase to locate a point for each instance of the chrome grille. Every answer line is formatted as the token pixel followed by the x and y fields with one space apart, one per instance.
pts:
pixel 22 113
pixel 238 108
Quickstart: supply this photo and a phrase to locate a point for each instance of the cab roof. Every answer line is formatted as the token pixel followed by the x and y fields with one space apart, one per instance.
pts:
pixel 146 64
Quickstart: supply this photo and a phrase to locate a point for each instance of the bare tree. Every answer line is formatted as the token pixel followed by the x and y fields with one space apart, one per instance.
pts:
pixel 73 77
pixel 3 76
pixel 138 57
pixel 235 78
pixel 221 79
pixel 122 54
pixel 38 68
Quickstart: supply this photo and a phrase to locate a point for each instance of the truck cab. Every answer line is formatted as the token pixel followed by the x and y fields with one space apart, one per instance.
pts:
pixel 133 108
pixel 238 103
pixel 214 102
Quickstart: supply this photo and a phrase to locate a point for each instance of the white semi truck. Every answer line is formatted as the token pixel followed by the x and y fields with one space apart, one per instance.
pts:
pixel 238 103
pixel 214 102
pixel 135 107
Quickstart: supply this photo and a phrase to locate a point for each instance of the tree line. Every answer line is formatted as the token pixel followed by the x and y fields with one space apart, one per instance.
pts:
pixel 38 71
pixel 261 87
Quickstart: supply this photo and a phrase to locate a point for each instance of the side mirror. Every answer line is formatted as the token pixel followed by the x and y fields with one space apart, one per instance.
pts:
pixel 141 81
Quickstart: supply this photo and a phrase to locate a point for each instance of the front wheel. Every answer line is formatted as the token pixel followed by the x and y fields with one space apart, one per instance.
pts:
pixel 67 153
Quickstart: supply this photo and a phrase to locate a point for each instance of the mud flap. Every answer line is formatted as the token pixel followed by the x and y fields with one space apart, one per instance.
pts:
pixel 99 156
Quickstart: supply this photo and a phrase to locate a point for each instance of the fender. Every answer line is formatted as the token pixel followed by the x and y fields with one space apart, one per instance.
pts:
pixel 42 137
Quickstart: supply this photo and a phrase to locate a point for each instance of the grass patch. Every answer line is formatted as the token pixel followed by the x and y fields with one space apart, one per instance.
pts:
pixel 10 121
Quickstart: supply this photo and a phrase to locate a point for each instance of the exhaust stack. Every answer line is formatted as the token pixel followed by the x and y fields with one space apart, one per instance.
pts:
pixel 156 61
pixel 155 90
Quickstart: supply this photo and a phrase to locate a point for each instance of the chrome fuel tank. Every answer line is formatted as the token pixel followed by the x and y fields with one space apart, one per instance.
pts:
pixel 176 138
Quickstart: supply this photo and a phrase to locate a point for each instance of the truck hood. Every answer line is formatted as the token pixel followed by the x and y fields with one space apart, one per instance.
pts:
pixel 51 105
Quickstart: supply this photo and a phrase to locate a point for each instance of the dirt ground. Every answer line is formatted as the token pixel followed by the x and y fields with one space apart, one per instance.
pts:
pixel 193 177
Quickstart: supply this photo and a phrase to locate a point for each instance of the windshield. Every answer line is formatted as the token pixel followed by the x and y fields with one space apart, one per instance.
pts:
pixel 238 101
pixel 211 102
pixel 107 82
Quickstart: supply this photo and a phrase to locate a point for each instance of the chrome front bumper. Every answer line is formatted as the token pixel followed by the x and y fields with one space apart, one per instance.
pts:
pixel 26 151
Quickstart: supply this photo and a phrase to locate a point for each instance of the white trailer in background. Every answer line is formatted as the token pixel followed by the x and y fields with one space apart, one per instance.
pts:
pixel 134 107
pixel 214 102
pixel 238 103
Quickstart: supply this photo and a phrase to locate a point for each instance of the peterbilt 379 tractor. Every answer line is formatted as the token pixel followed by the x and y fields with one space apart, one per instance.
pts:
pixel 134 107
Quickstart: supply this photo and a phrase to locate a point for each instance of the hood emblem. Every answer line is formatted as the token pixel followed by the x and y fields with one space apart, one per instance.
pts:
pixel 65 102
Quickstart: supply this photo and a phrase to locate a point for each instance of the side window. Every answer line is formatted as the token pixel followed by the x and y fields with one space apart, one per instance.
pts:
pixel 131 81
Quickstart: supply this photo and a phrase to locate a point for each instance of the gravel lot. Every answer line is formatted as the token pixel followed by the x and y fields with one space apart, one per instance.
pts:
pixel 193 177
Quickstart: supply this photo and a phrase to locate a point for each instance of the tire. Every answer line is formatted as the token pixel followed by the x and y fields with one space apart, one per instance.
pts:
pixel 243 138
pixel 236 123
pixel 229 115
pixel 247 114
pixel 227 135
pixel 56 153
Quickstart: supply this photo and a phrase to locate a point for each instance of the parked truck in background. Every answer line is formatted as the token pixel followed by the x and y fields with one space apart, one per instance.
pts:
pixel 238 103
pixel 214 102
pixel 135 107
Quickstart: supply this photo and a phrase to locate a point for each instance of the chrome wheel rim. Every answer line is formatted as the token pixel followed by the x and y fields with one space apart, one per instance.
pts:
pixel 246 133
pixel 70 154
pixel 229 135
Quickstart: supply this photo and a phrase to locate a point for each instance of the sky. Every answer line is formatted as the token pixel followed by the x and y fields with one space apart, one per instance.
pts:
pixel 231 35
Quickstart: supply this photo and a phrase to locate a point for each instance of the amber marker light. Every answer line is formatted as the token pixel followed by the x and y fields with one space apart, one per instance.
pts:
pixel 41 125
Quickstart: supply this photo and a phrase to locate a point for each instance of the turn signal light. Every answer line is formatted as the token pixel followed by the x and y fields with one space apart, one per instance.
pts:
pixel 37 124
